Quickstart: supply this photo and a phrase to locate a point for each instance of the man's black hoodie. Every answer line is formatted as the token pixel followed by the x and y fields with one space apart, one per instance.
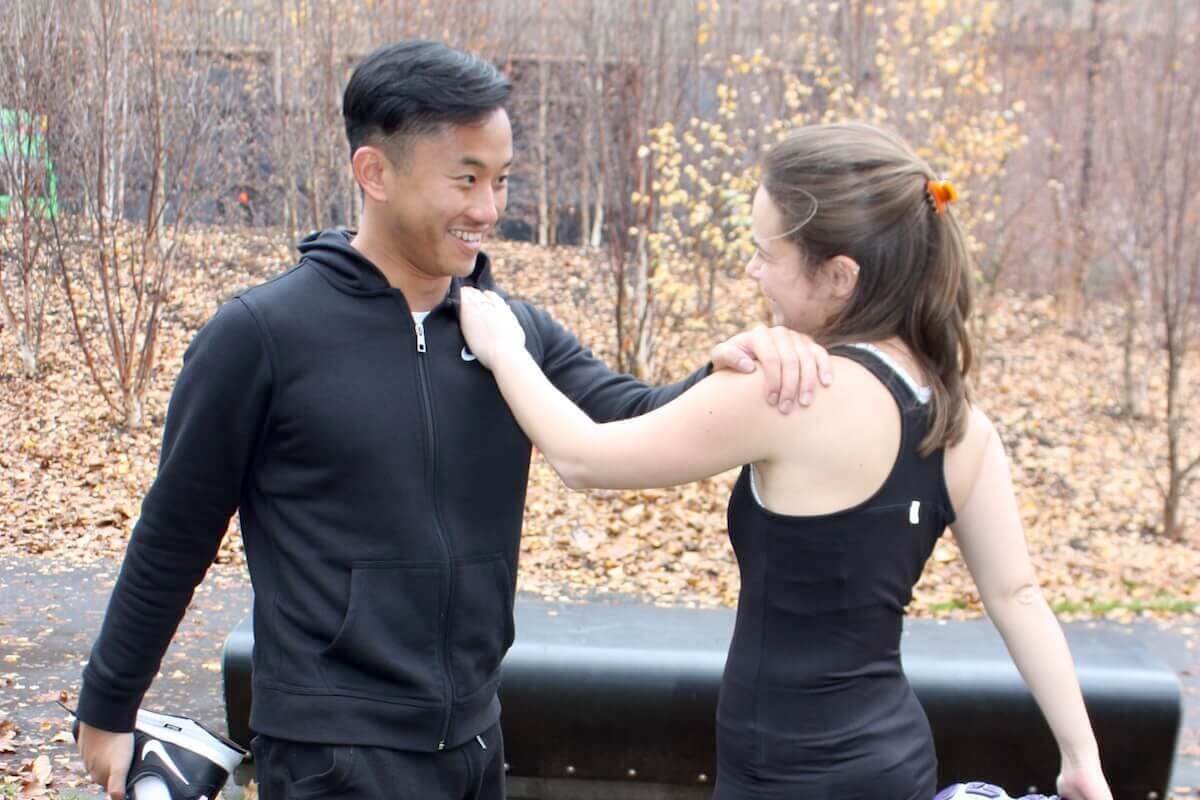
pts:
pixel 380 481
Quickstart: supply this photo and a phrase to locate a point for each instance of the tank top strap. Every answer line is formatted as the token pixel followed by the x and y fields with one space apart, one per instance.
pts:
pixel 914 422
pixel 908 395
pixel 913 413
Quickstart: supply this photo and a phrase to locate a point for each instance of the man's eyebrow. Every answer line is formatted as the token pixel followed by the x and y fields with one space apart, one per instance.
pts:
pixel 472 161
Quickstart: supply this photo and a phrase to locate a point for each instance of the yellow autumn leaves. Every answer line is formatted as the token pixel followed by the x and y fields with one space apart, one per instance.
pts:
pixel 932 76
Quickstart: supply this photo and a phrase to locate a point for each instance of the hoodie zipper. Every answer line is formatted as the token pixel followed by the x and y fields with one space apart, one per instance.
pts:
pixel 431 435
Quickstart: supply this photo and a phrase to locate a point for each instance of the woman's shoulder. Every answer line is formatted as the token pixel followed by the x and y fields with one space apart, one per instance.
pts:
pixel 857 410
pixel 855 387
pixel 851 368
pixel 853 406
pixel 978 432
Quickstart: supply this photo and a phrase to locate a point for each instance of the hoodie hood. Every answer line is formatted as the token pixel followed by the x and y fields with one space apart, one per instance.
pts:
pixel 351 272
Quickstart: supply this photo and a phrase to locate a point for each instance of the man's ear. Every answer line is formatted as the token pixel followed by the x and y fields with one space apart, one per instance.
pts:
pixel 842 272
pixel 370 165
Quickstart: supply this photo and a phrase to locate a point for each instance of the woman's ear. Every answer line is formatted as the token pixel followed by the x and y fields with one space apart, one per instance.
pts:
pixel 369 165
pixel 843 276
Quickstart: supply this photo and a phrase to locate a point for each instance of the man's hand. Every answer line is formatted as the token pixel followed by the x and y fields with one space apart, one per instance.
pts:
pixel 106 756
pixel 793 363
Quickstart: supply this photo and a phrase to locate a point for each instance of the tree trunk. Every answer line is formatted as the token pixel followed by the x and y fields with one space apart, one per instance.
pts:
pixel 29 359
pixel 132 402
pixel 117 180
pixel 591 215
pixel 21 331
pixel 642 307
pixel 1176 473
pixel 616 255
pixel 585 181
pixel 543 180
pixel 316 198
pixel 285 147
pixel 26 349
pixel 1061 234
pixel 1133 404
pixel 598 217
pixel 1172 528
pixel 1074 292
pixel 597 231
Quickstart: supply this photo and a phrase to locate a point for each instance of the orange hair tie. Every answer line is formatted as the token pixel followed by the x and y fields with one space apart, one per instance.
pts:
pixel 941 194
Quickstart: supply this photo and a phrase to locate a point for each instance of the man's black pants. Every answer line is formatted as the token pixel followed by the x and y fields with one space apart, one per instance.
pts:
pixel 289 770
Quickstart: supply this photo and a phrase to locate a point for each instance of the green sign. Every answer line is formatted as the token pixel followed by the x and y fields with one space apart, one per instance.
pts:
pixel 25 162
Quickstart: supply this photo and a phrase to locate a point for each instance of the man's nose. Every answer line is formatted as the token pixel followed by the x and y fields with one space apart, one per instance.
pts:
pixel 485 210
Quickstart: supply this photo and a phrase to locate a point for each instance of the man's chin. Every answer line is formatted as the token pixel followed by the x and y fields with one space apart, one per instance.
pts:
pixel 456 265
pixel 463 269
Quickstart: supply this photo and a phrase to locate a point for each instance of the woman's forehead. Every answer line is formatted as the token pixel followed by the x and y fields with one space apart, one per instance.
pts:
pixel 766 218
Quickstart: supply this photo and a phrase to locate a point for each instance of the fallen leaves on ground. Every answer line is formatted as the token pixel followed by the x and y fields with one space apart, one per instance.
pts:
pixel 31 778
pixel 1086 478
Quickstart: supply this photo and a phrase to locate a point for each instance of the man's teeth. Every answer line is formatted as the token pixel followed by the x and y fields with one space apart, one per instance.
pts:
pixel 468 236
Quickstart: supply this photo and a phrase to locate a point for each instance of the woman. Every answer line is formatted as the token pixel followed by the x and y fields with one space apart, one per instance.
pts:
pixel 838 508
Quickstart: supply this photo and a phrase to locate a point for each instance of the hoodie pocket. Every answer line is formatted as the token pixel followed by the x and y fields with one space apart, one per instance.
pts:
pixel 388 643
pixel 319 771
pixel 483 623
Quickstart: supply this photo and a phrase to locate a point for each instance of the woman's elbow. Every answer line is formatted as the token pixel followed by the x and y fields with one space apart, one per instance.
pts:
pixel 575 474
pixel 568 473
pixel 1028 594
pixel 1017 597
pixel 575 485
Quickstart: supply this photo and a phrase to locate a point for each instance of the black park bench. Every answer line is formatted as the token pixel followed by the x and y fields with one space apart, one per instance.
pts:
pixel 612 700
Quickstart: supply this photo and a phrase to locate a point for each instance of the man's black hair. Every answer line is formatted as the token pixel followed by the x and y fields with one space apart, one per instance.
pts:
pixel 414 87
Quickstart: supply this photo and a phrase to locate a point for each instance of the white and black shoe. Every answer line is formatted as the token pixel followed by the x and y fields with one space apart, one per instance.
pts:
pixel 192 761
pixel 176 758
pixel 978 790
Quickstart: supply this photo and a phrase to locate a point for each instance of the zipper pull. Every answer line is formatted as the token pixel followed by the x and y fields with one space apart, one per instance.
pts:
pixel 441 745
pixel 420 337
pixel 480 740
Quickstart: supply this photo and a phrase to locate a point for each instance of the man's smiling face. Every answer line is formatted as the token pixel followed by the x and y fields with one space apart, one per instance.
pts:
pixel 446 192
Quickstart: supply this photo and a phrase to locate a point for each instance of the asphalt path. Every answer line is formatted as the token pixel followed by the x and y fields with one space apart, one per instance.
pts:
pixel 51 611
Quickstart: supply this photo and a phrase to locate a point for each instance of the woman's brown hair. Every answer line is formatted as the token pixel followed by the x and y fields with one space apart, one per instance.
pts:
pixel 859 191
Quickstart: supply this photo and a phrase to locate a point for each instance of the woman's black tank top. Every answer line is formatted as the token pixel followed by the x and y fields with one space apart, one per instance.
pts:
pixel 814 700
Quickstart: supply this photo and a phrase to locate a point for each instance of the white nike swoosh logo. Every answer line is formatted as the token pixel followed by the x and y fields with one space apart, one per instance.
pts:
pixel 467 355
pixel 156 747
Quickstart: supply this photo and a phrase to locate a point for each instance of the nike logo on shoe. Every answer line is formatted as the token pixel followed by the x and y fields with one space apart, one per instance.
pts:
pixel 467 355
pixel 156 747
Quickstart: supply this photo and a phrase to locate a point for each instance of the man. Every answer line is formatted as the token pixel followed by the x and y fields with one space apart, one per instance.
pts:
pixel 379 475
